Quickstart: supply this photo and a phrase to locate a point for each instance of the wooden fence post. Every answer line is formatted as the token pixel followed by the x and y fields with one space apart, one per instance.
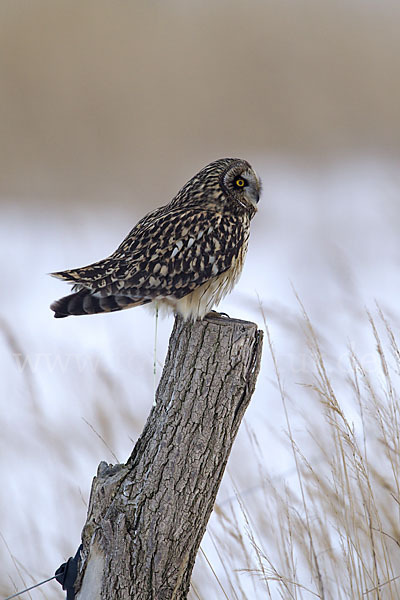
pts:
pixel 146 518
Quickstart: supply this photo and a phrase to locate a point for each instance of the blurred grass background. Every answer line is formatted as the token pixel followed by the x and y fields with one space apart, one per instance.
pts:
pixel 106 109
pixel 104 99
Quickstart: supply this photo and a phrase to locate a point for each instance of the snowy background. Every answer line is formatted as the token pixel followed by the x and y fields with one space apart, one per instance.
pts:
pixel 85 156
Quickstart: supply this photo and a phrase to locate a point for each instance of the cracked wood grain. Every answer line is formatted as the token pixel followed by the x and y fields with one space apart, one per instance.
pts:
pixel 146 518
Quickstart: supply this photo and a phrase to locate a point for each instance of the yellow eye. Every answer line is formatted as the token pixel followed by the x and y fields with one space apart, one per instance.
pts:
pixel 240 182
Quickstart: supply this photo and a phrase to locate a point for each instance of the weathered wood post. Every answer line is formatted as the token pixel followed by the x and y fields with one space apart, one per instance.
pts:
pixel 146 518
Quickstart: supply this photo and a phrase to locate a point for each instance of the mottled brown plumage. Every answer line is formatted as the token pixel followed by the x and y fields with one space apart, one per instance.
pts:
pixel 185 256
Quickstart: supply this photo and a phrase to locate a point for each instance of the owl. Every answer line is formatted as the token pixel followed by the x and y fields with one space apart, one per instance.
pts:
pixel 185 256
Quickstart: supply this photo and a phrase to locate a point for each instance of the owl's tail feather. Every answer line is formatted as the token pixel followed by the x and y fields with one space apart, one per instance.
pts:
pixel 85 302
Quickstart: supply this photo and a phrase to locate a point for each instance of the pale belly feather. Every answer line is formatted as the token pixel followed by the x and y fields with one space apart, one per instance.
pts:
pixel 201 301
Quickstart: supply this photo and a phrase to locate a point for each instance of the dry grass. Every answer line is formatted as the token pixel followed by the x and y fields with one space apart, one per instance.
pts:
pixel 330 530
pixel 333 531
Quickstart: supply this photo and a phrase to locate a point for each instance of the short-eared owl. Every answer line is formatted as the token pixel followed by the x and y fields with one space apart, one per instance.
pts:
pixel 185 256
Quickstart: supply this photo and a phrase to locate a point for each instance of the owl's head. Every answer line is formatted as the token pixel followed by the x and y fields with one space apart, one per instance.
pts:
pixel 223 181
pixel 240 182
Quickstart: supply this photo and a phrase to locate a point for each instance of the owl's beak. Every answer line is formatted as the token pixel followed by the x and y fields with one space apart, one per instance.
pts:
pixel 258 188
pixel 253 195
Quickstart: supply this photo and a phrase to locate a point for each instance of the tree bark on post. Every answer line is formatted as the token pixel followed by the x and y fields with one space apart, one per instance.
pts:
pixel 146 518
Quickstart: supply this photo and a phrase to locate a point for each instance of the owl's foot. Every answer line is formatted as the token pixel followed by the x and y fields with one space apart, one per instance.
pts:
pixel 214 315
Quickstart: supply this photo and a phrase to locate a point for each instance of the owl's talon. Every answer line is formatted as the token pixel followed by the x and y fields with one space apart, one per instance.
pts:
pixel 214 314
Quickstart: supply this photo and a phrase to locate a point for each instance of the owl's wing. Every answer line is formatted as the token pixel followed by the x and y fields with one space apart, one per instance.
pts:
pixel 177 251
